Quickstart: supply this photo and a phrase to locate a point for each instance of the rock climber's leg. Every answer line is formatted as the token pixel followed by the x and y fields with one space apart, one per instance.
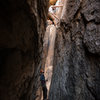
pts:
pixel 44 93
pixel 52 18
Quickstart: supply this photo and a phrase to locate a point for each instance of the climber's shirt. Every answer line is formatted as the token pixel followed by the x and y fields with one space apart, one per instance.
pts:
pixel 42 79
pixel 51 10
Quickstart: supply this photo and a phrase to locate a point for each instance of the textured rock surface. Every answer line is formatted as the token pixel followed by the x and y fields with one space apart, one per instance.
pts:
pixel 76 74
pixel 22 26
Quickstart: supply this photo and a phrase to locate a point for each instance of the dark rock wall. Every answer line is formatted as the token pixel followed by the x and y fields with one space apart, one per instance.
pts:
pixel 76 74
pixel 22 27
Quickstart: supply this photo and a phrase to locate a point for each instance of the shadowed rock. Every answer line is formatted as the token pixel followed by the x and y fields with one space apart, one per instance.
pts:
pixel 22 27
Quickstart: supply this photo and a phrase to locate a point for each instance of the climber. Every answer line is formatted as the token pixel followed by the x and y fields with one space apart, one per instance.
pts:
pixel 52 10
pixel 51 16
pixel 43 84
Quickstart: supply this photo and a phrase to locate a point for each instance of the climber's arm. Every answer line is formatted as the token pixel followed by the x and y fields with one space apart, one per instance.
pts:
pixel 57 6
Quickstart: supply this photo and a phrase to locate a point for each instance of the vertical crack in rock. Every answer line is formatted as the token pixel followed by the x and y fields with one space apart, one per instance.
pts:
pixel 49 41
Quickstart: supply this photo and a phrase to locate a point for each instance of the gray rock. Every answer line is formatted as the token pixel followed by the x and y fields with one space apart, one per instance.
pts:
pixel 76 73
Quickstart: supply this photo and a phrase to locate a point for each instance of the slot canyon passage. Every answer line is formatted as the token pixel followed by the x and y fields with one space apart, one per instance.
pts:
pixel 76 60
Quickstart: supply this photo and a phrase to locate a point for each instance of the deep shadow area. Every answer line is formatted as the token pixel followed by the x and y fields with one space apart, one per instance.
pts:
pixel 22 27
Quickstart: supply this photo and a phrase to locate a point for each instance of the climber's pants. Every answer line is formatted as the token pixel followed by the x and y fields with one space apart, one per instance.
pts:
pixel 44 92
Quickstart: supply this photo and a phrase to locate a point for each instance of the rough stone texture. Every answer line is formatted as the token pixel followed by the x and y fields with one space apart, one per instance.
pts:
pixel 76 74
pixel 22 27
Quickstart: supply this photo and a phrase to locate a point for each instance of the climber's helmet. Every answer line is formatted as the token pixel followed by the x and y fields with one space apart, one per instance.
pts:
pixel 41 71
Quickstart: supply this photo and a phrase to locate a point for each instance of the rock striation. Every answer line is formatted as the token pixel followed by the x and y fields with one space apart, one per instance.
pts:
pixel 22 28
pixel 76 73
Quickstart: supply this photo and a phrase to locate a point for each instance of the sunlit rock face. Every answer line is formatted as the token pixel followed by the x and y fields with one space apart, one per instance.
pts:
pixel 76 74
pixel 22 27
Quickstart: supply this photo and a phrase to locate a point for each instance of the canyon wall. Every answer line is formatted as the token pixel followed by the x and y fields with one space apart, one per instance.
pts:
pixel 22 28
pixel 76 73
